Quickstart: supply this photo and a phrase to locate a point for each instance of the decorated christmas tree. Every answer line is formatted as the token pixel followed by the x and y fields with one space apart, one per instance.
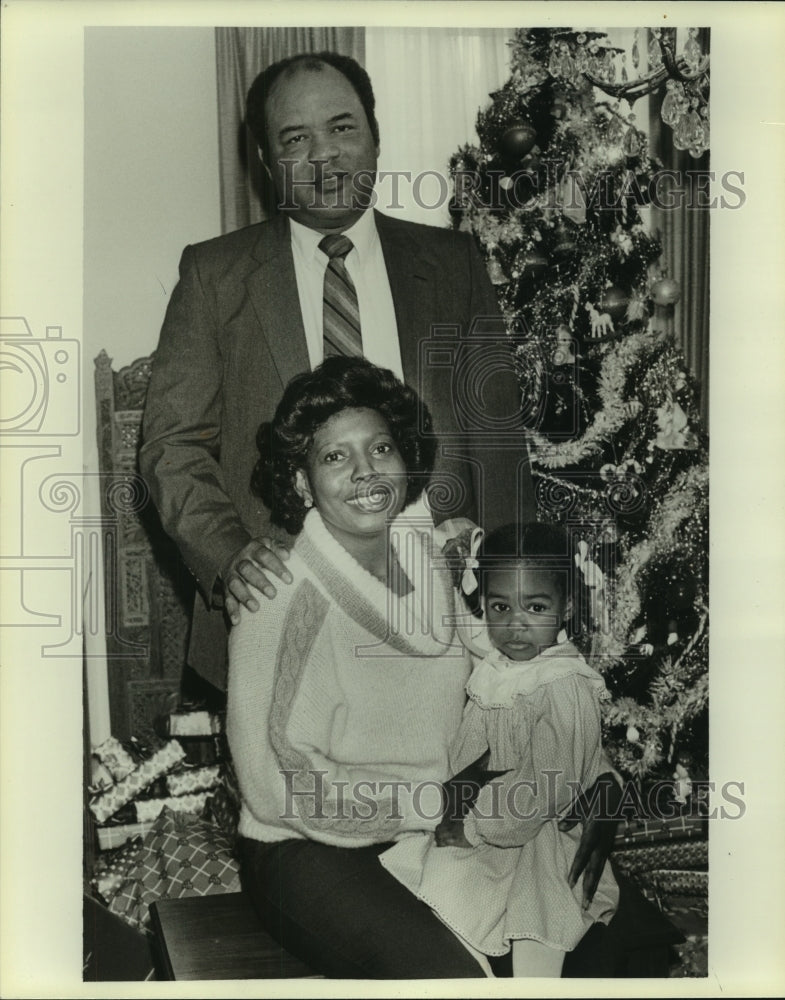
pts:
pixel 554 194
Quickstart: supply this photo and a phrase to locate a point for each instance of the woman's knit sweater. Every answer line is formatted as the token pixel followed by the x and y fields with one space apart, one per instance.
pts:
pixel 344 698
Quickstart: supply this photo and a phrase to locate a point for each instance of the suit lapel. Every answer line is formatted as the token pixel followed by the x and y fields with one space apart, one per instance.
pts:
pixel 272 289
pixel 411 273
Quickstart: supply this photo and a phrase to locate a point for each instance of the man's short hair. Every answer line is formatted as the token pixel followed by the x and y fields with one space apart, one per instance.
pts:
pixel 260 89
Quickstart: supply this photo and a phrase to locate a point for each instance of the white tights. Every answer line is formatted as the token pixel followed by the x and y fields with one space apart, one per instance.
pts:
pixel 530 959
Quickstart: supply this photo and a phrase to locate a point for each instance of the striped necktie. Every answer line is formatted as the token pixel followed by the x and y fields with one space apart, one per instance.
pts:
pixel 341 312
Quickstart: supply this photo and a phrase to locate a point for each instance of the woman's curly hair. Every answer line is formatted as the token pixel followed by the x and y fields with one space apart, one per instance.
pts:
pixel 309 400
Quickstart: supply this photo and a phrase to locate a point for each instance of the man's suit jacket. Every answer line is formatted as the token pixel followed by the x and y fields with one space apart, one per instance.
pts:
pixel 233 337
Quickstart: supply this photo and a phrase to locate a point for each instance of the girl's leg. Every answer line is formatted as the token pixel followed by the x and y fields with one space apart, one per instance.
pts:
pixel 347 917
pixel 532 958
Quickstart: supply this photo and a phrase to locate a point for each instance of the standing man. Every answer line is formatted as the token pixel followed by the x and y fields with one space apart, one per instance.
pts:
pixel 257 306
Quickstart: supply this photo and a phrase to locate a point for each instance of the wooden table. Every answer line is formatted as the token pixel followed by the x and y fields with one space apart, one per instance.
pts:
pixel 218 937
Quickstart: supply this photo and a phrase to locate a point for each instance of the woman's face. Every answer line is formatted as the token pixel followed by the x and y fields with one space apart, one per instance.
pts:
pixel 354 475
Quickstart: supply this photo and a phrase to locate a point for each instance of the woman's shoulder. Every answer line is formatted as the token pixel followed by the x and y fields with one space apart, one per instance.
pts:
pixel 273 611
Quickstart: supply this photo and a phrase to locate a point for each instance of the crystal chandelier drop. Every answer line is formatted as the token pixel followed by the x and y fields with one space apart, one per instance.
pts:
pixel 685 107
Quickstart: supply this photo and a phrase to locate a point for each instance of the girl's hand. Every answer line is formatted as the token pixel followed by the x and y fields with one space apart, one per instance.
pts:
pixel 449 833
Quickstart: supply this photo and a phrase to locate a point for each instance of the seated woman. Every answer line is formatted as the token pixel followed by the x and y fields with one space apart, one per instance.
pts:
pixel 346 691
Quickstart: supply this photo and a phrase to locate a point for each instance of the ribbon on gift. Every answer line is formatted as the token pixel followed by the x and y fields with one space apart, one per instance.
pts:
pixel 115 758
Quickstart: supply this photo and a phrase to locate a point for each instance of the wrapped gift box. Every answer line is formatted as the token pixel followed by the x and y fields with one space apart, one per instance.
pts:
pixel 163 760
pixel 148 809
pixel 180 855
pixel 110 837
pixel 193 779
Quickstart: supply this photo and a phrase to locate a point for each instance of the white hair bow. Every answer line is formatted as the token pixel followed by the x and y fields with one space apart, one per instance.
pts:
pixel 471 565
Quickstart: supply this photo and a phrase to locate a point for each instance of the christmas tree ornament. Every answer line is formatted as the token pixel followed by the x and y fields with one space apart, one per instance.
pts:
pixel 601 323
pixel 633 735
pixel 665 292
pixel 559 106
pixel 564 354
pixel 614 302
pixel 496 272
pixel 531 263
pixel 517 140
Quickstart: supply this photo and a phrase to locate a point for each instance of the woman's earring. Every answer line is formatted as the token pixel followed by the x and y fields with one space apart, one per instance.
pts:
pixel 308 502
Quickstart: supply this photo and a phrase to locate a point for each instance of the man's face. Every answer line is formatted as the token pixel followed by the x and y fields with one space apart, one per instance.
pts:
pixel 321 147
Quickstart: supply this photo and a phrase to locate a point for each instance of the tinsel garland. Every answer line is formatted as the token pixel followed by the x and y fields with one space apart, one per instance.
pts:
pixel 688 494
pixel 614 413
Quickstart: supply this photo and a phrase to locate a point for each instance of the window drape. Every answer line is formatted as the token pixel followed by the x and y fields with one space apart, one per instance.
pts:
pixel 684 233
pixel 430 84
pixel 241 54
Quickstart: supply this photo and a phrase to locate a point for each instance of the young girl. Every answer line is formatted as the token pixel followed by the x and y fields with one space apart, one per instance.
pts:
pixel 498 876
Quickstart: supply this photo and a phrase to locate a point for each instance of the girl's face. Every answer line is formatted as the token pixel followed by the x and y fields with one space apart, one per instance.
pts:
pixel 354 475
pixel 525 609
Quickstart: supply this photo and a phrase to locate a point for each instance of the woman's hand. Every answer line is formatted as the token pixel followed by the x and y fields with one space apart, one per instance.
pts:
pixel 248 567
pixel 449 833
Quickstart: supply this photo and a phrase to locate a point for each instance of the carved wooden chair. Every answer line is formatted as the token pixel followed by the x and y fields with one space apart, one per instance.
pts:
pixel 149 592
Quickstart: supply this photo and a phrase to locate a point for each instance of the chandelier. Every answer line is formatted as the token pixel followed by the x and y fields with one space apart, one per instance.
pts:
pixel 685 107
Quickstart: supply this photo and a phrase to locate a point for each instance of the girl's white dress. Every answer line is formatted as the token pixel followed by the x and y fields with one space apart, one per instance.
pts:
pixel 540 719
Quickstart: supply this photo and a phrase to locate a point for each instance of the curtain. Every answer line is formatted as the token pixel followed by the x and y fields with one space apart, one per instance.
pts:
pixel 241 54
pixel 684 233
pixel 429 85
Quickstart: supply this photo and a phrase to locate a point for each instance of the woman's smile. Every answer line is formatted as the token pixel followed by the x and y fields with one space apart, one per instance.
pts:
pixel 354 475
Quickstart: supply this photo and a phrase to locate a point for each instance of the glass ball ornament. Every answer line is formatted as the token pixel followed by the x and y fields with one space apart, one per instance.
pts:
pixel 633 735
pixel 518 139
pixel 614 302
pixel 665 292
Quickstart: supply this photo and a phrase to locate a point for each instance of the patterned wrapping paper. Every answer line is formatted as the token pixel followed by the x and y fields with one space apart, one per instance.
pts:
pixel 115 758
pixel 111 869
pixel 110 837
pixel 197 779
pixel 677 882
pixel 690 855
pixel 181 855
pixel 647 831
pixel 145 774
pixel 149 809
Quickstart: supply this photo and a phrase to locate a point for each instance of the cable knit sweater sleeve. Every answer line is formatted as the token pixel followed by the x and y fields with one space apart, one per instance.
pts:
pixel 559 741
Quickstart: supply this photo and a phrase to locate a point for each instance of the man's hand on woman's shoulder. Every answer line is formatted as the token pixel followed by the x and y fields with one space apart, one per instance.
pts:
pixel 249 567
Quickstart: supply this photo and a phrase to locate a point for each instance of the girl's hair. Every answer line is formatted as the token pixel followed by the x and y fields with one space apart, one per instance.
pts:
pixel 309 400
pixel 549 548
